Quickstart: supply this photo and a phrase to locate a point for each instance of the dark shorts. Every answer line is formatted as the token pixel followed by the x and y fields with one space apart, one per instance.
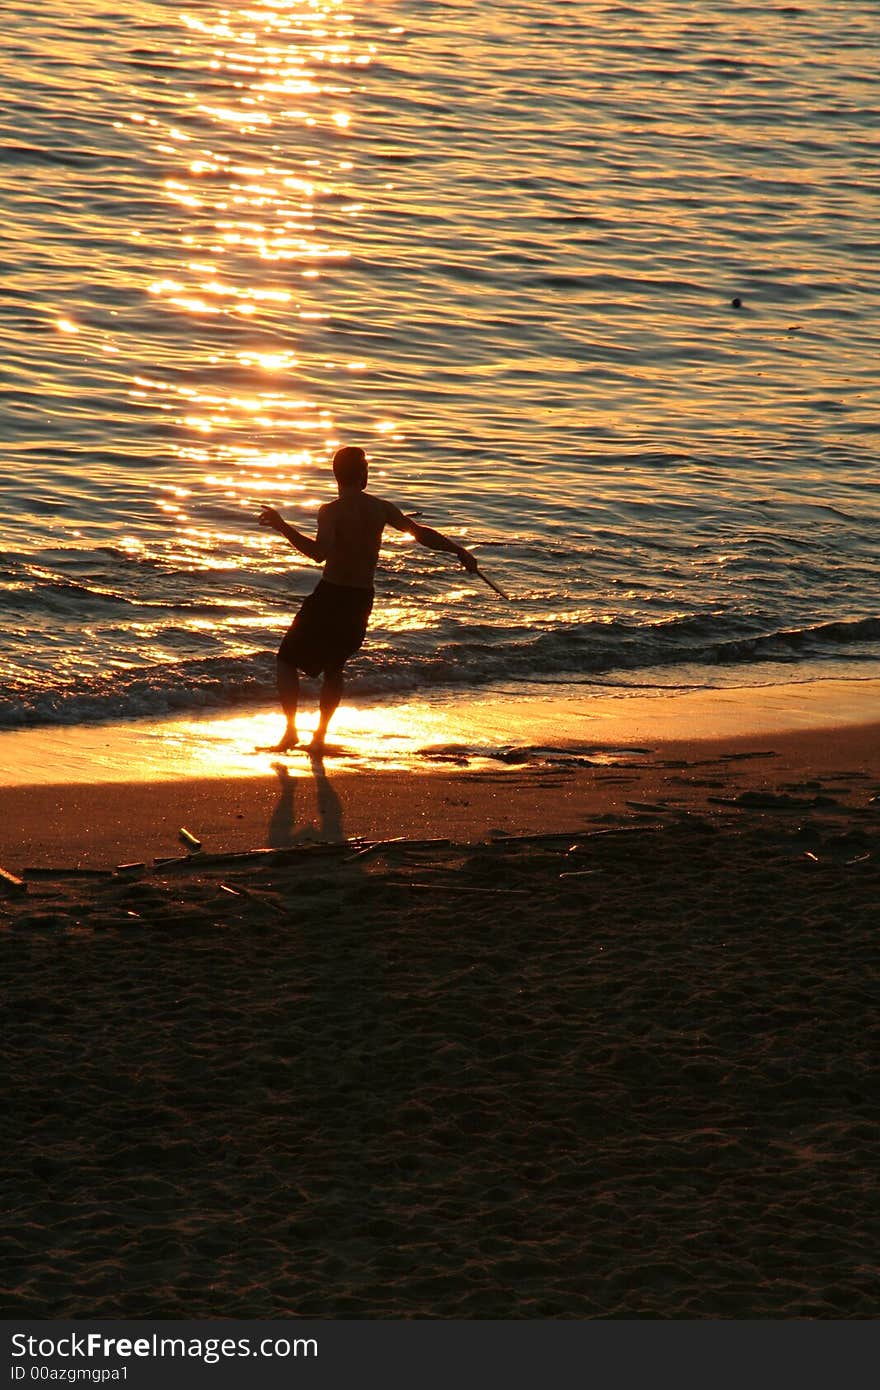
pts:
pixel 328 629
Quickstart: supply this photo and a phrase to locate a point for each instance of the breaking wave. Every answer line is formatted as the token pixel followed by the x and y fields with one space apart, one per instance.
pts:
pixel 476 658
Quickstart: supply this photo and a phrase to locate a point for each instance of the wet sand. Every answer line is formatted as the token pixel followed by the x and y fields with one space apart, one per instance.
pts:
pixel 603 1049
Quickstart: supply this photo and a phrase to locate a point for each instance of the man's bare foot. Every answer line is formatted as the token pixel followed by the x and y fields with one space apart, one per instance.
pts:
pixel 290 740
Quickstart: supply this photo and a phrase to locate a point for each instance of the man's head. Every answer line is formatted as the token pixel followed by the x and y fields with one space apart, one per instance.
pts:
pixel 350 467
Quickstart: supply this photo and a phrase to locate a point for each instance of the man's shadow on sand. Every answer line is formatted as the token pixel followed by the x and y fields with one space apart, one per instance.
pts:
pixel 282 831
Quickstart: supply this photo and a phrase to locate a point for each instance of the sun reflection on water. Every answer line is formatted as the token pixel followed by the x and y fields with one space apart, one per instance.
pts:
pixel 259 217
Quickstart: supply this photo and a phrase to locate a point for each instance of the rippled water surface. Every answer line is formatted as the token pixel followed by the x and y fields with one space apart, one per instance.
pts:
pixel 498 246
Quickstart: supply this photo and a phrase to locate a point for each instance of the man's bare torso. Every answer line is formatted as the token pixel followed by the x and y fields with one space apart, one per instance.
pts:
pixel 351 531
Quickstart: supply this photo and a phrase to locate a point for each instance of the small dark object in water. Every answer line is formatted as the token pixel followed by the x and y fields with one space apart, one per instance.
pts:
pixel 736 302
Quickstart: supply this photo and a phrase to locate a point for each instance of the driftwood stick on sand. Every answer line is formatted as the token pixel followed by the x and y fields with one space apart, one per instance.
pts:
pixel 399 842
pixel 571 837
pixel 239 890
pixel 446 887
pixel 287 855
pixel 67 873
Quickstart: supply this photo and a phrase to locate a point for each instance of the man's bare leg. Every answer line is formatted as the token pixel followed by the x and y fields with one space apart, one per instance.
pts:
pixel 288 694
pixel 331 694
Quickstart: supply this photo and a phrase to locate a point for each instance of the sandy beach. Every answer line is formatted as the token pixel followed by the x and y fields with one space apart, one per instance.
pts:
pixel 563 1038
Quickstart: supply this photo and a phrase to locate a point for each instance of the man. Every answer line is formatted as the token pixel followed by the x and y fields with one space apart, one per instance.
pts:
pixel 331 624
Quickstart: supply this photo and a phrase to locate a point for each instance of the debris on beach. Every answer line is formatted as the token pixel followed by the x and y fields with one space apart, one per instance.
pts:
pixel 742 757
pixel 186 837
pixel 66 872
pixel 398 842
pixel 651 806
pixel 774 801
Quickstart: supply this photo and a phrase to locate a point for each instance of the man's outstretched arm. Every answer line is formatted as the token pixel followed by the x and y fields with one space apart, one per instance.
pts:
pixel 312 549
pixel 425 535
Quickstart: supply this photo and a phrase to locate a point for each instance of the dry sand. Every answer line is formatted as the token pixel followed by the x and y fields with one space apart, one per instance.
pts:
pixel 627 1071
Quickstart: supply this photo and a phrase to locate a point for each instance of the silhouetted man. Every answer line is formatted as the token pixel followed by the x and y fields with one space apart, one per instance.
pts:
pixel 331 624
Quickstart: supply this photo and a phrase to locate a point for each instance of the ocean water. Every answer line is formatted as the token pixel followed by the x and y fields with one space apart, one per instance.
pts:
pixel 497 245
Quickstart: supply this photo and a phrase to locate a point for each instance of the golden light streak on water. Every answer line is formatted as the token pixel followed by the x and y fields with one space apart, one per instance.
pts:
pixel 246 204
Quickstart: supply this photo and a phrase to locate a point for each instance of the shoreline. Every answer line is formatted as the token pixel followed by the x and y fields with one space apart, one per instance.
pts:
pixel 302 800
pixel 415 735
